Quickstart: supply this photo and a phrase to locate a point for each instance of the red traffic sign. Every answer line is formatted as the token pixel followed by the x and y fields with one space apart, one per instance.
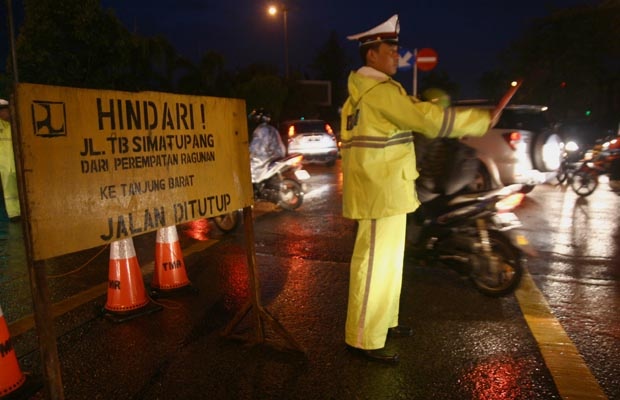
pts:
pixel 426 59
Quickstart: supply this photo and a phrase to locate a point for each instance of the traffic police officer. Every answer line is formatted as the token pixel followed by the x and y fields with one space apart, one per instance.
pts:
pixel 8 173
pixel 378 122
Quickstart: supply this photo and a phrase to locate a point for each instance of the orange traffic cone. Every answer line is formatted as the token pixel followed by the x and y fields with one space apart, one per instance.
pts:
pixel 169 274
pixel 126 294
pixel 11 376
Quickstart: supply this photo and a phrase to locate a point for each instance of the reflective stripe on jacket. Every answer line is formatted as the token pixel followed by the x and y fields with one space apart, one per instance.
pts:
pixel 378 158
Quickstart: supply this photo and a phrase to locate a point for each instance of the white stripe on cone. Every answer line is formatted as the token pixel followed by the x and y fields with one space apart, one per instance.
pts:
pixel 167 235
pixel 122 250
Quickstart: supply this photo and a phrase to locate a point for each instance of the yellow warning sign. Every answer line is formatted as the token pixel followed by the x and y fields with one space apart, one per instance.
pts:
pixel 101 166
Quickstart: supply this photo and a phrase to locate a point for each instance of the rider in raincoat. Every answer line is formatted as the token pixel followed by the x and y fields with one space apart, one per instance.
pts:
pixel 378 125
pixel 266 144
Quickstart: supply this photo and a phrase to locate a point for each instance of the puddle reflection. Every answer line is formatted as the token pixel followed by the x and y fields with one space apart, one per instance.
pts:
pixel 198 229
pixel 497 379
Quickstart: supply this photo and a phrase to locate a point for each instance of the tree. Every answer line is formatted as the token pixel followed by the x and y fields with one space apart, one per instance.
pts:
pixel 331 65
pixel 441 80
pixel 77 43
pixel 71 42
pixel 207 78
pixel 153 65
pixel 571 61
pixel 493 84
pixel 261 87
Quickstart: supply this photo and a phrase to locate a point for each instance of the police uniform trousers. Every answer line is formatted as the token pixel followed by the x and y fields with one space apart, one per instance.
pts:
pixel 375 281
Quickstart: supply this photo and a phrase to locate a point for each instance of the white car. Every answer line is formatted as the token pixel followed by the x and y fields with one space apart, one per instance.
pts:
pixel 314 138
pixel 522 148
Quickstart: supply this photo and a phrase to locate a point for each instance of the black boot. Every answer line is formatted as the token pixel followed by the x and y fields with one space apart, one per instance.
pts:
pixel 380 355
pixel 400 331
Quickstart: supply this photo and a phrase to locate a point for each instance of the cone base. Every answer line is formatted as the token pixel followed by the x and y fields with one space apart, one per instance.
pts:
pixel 115 307
pixel 30 387
pixel 179 291
pixel 158 286
pixel 123 316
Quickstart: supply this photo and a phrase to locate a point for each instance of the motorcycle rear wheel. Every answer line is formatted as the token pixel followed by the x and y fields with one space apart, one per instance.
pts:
pixel 584 183
pixel 227 222
pixel 510 263
pixel 291 194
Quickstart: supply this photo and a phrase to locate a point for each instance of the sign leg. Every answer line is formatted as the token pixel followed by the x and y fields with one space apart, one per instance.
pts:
pixel 261 316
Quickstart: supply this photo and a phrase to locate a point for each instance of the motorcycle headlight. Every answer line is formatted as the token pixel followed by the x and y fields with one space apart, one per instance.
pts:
pixel 509 203
pixel 571 146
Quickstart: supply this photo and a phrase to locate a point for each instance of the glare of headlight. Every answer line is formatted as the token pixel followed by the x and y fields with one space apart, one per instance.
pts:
pixel 551 155
pixel 571 146
pixel 510 203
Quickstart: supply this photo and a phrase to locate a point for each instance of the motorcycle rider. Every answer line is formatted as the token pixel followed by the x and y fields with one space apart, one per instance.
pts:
pixel 379 170
pixel 266 144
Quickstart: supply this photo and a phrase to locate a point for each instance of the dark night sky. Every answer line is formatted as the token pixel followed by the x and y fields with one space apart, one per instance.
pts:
pixel 467 35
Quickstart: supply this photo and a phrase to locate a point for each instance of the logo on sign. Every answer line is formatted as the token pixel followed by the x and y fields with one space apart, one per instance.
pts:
pixel 49 118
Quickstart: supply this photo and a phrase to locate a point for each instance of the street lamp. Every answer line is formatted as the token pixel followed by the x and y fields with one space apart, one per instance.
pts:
pixel 273 10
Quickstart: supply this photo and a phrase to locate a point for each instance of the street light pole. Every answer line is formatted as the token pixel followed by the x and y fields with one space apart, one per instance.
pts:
pixel 285 15
pixel 273 10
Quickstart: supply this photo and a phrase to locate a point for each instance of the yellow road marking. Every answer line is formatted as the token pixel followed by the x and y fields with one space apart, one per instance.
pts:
pixel 572 376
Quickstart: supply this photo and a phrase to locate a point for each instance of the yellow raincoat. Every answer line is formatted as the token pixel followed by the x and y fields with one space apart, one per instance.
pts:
pixel 379 170
pixel 7 171
pixel 378 160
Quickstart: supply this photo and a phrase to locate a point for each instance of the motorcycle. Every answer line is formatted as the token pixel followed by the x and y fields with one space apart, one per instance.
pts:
pixel 474 234
pixel 569 163
pixel 200 229
pixel 614 175
pixel 277 181
pixel 227 222
pixel 281 182
pixel 566 171
pixel 599 161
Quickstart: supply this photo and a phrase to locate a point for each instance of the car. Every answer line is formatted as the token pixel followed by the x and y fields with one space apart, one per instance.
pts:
pixel 524 147
pixel 314 138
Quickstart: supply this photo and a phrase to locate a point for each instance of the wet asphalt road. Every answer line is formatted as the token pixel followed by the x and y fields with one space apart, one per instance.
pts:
pixel 465 345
